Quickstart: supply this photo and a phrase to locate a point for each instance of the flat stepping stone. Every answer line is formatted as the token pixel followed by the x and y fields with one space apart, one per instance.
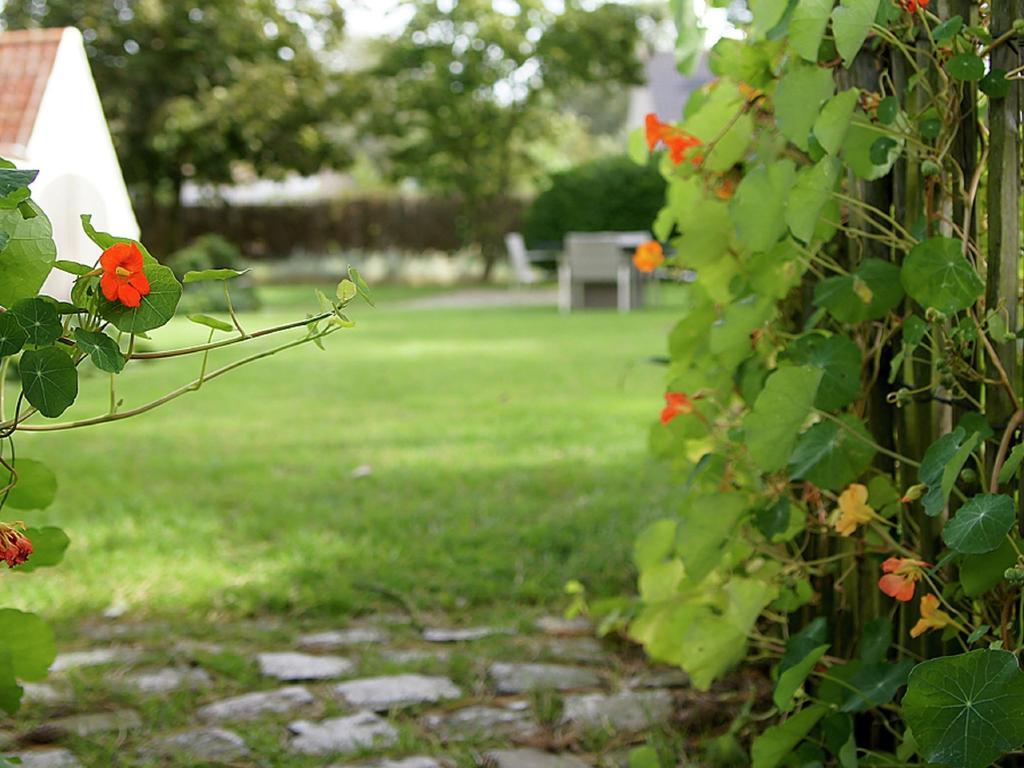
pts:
pixel 169 680
pixel 95 658
pixel 627 711
pixel 532 758
pixel 419 761
pixel 482 720
pixel 585 650
pixel 414 656
pixel 556 625
pixel 343 638
pixel 523 678
pixel 342 735
pixel 84 726
pixel 292 667
pixel 200 744
pixel 393 691
pixel 45 694
pixel 250 706
pixel 439 635
pixel 48 758
pixel 669 678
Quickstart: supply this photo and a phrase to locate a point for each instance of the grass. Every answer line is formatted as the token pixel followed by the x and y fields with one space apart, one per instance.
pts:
pixel 508 455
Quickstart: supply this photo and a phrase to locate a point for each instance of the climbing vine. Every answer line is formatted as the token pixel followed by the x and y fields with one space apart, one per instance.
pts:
pixel 50 343
pixel 844 393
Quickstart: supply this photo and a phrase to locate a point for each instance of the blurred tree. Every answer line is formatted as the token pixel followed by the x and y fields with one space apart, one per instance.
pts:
pixel 198 90
pixel 459 96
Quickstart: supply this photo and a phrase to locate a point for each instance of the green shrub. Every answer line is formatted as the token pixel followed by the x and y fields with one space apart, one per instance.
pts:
pixel 610 194
pixel 212 251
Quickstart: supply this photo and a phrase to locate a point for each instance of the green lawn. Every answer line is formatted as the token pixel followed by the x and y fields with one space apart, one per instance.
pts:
pixel 508 450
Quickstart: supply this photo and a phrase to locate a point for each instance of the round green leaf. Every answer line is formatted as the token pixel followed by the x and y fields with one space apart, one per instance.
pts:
pixel 49 380
pixel 851 23
pixel 12 335
pixel 48 547
pixel 36 488
pixel 832 456
pixel 758 208
pixel 980 525
pixel 868 294
pixel 995 85
pixel 930 128
pixel 807 27
pixel 39 319
pixel 833 122
pixel 936 274
pixel 27 258
pixel 29 641
pixel 966 711
pixel 980 573
pixel 966 66
pixel 798 98
pixel 862 151
pixel 102 350
pixel 781 409
pixel 948 29
pixel 888 110
pixel 840 361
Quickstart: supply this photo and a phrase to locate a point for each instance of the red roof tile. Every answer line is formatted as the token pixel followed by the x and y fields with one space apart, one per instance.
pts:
pixel 26 58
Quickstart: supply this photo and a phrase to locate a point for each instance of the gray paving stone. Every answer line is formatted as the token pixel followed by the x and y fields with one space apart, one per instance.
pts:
pixel 342 735
pixel 48 758
pixel 393 691
pixel 627 711
pixel 531 758
pixel 482 720
pixel 250 706
pixel 214 744
pixel 521 678
pixel 342 638
pixel 292 667
pixel 419 761
pixel 44 693
pixel 168 680
pixel 414 655
pixel 441 635
pixel 95 658
pixel 84 725
pixel 556 625
pixel 585 650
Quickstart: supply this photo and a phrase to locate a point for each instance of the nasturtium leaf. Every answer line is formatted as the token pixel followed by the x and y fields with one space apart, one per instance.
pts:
pixel 211 322
pixel 888 110
pixel 980 525
pixel 833 122
pixel 799 96
pixel 722 119
pixel 936 274
pixel 4 239
pixel 767 13
pixel 660 581
pixel 948 29
pixel 967 710
pixel 644 757
pixel 729 338
pixel 870 293
pixel 839 359
pixel 930 128
pixel 207 275
pixel 777 742
pixel 37 485
pixel 792 678
pixel 994 84
pixel 860 149
pixel 12 335
pixel 347 290
pixel 705 527
pixel 101 349
pixel 851 23
pixel 103 239
pixel 655 544
pixel 48 547
pixel 741 62
pixel 781 409
pixel 859 686
pixel 28 256
pixel 157 307
pixel 933 468
pixel 759 206
pixel 980 573
pixel 49 380
pixel 10 693
pixel 876 639
pixel 831 455
pixel 72 267
pixel 14 186
pixel 810 195
pixel 780 521
pixel 952 470
pixel 807 27
pixel 364 289
pixel 966 66
pixel 29 641
pixel 803 642
pixel 39 319
pixel 1009 468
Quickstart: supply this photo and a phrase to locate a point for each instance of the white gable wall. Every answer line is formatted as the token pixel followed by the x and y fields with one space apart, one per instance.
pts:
pixel 78 167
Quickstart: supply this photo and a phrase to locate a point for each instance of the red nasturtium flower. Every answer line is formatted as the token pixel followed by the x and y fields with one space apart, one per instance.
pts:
pixel 911 6
pixel 932 617
pixel 901 577
pixel 676 404
pixel 123 279
pixel 14 545
pixel 649 256
pixel 678 141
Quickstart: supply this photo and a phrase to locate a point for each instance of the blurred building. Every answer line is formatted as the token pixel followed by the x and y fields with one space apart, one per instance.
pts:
pixel 51 120
pixel 666 91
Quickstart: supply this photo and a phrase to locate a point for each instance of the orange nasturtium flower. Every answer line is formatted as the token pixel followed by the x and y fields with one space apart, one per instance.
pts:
pixel 911 6
pixel 932 617
pixel 649 256
pixel 901 577
pixel 676 404
pixel 123 279
pixel 678 141
pixel 14 545
pixel 853 510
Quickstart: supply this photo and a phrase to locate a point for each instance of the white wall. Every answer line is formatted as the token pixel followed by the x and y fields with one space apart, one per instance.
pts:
pixel 78 168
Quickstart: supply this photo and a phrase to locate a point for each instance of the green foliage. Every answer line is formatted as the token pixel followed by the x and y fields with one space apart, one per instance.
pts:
pixel 613 194
pixel 202 265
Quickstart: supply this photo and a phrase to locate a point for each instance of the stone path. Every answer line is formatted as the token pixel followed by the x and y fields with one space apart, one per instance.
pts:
pixel 377 694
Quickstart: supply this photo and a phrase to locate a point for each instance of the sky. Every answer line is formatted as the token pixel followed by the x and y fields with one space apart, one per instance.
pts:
pixel 372 18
